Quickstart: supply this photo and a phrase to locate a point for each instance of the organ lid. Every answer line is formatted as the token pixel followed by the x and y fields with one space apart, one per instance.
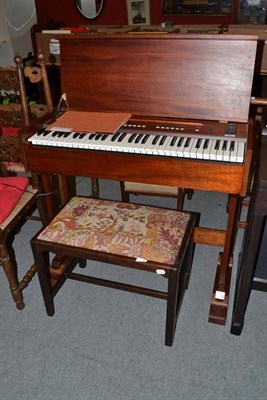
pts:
pixel 191 76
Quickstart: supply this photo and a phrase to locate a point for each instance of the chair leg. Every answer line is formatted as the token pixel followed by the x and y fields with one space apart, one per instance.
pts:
pixel 124 195
pixel 180 198
pixel 42 262
pixel 189 193
pixel 95 188
pixel 10 271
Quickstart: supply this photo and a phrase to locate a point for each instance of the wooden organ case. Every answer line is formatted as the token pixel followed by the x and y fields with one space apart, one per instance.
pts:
pixel 170 84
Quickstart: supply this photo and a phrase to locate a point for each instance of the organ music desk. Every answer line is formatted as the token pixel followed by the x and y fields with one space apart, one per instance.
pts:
pixel 196 86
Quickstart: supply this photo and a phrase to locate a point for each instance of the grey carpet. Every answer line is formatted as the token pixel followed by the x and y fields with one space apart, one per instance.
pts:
pixel 107 344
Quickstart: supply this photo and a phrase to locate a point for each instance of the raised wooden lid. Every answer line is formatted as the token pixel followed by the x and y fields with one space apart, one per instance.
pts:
pixel 168 75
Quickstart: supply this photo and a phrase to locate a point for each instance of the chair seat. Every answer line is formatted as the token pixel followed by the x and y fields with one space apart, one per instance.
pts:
pixel 123 229
pixel 149 188
pixel 11 190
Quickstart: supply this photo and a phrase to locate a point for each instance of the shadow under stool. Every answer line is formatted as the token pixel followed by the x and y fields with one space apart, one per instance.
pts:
pixel 147 238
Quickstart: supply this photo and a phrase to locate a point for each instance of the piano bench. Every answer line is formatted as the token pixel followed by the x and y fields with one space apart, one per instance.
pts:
pixel 141 237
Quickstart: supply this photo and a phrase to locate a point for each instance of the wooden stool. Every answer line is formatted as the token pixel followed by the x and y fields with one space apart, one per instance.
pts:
pixel 129 235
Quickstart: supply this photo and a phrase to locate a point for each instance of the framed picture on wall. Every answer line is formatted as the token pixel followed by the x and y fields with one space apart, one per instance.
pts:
pixel 138 12
pixel 198 7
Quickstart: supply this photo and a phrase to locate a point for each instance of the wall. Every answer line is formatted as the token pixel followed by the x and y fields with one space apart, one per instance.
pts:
pixel 16 20
pixel 114 12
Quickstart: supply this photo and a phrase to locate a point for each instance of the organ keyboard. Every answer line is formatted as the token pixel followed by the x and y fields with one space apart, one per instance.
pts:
pixel 188 97
pixel 183 144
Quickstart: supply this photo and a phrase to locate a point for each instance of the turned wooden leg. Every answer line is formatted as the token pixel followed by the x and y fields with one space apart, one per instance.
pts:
pixel 124 195
pixel 95 188
pixel 11 275
pixel 27 277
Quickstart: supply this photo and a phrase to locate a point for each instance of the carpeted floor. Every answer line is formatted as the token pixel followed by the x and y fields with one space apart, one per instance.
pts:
pixel 106 344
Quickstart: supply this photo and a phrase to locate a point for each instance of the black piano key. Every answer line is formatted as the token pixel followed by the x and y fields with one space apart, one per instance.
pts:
pixel 198 144
pixel 162 140
pixel 55 133
pixel 131 138
pixel 187 143
pixel 66 134
pixel 155 140
pixel 206 143
pixel 232 146
pixel 115 136
pixel 173 141
pixel 181 140
pixel 139 137
pixel 91 136
pixel 122 136
pixel 43 132
pixel 104 136
pixel 224 147
pixel 145 138
pixel 217 145
pixel 98 136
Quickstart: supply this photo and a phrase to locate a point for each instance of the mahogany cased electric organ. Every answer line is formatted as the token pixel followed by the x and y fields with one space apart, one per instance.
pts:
pixel 188 99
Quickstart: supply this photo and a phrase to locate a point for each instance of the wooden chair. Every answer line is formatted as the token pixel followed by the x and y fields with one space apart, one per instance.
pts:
pixel 144 238
pixel 19 114
pixel 134 188
pixel 257 104
pixel 18 199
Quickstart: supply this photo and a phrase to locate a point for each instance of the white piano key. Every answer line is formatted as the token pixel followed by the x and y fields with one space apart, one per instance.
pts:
pixel 37 138
pixel 233 152
pixel 148 146
pixel 201 149
pixel 194 148
pixel 180 146
pixel 158 145
pixel 121 144
pixel 167 146
pixel 48 140
pixel 219 154
pixel 240 152
pixel 187 148
pixel 226 152
pixel 208 149
pixel 213 150
pixel 59 140
pixel 165 150
pixel 173 148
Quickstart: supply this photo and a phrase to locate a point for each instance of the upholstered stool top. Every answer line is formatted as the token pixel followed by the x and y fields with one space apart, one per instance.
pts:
pixel 131 230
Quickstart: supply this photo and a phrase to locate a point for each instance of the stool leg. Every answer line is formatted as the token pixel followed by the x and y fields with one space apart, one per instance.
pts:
pixel 172 306
pixel 42 264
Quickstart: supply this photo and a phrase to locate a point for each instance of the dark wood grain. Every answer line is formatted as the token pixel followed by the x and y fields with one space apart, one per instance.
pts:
pixel 186 76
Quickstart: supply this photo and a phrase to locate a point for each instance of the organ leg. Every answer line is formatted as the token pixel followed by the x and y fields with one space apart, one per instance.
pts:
pixel 220 295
